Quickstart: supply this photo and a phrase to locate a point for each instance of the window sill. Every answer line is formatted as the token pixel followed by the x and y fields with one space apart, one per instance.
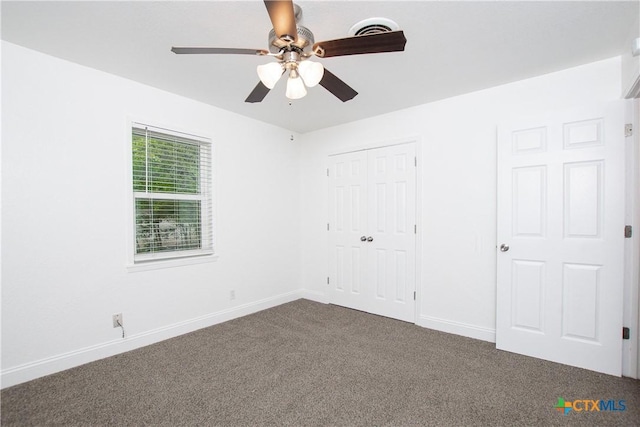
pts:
pixel 169 263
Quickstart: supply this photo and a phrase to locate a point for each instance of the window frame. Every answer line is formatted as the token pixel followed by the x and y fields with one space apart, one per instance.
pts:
pixel 161 259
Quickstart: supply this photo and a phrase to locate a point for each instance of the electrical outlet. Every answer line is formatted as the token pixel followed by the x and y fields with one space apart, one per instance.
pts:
pixel 232 295
pixel 117 320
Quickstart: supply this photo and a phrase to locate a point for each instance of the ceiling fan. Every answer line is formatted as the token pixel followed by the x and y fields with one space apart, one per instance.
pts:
pixel 292 45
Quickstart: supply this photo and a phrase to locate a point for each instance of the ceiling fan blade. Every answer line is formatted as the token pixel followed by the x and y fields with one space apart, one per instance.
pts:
pixel 258 93
pixel 392 41
pixel 218 50
pixel 283 19
pixel 340 89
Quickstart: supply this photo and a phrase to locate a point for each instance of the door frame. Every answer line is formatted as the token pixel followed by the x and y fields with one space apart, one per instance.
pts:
pixel 631 286
pixel 410 139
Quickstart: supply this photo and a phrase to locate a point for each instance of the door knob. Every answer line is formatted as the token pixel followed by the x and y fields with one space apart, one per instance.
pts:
pixel 369 239
pixel 363 239
pixel 504 247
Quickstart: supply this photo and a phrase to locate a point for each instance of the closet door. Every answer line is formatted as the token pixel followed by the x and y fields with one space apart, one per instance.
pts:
pixel 372 231
pixel 347 229
pixel 391 205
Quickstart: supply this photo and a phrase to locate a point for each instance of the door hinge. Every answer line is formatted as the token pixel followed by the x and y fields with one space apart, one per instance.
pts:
pixel 415 228
pixel 628 231
pixel 327 226
pixel 414 295
pixel 625 333
pixel 327 280
pixel 415 161
pixel 327 171
pixel 628 130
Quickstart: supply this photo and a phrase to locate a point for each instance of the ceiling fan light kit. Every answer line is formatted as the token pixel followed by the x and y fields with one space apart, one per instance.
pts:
pixel 301 72
pixel 292 45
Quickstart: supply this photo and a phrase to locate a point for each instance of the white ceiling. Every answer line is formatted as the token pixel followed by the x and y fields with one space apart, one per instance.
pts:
pixel 453 47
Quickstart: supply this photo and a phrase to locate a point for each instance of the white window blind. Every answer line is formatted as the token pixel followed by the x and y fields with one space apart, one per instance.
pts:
pixel 172 194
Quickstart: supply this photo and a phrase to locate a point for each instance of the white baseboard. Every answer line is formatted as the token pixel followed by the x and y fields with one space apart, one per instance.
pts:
pixel 51 365
pixel 458 328
pixel 314 296
pixel 39 368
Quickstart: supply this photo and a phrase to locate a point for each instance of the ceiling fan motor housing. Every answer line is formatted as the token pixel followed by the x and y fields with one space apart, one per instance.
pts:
pixel 304 43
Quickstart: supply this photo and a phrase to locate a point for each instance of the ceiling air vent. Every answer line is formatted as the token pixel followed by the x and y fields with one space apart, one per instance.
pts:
pixel 373 26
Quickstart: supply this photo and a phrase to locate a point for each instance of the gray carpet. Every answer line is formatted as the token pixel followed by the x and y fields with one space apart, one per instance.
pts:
pixel 306 363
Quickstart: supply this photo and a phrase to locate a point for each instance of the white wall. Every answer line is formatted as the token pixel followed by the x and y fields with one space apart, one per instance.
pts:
pixel 630 72
pixel 65 208
pixel 457 158
pixel 66 197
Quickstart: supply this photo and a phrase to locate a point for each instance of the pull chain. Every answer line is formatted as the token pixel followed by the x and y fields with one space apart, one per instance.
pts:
pixel 290 119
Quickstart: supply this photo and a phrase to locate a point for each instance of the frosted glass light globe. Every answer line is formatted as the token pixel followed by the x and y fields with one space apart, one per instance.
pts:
pixel 311 72
pixel 270 73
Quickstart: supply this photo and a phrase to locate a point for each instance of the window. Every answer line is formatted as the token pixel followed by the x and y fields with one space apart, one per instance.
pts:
pixel 172 198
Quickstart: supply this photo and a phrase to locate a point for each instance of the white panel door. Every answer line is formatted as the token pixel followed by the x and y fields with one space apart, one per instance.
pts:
pixel 560 238
pixel 348 213
pixel 392 212
pixel 372 231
